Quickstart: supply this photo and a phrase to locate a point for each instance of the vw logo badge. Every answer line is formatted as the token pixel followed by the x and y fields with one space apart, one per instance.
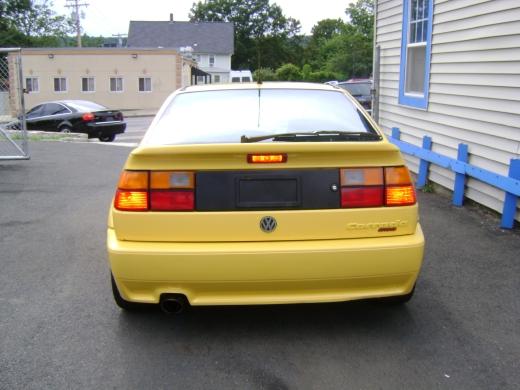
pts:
pixel 268 224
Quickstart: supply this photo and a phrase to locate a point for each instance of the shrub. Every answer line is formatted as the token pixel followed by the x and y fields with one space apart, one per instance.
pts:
pixel 289 72
pixel 264 74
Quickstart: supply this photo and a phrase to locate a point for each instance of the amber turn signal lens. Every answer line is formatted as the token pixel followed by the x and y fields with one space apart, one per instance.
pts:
pixel 266 158
pixel 400 196
pixel 131 200
pixel 362 177
pixel 133 180
pixel 397 176
pixel 164 180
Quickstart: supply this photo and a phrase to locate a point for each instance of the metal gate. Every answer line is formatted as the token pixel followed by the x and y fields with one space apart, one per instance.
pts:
pixel 13 129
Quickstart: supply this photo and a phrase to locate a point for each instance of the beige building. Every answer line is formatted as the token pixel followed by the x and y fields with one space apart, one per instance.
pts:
pixel 119 78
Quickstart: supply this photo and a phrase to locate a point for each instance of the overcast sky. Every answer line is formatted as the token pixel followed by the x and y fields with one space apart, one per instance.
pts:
pixel 108 17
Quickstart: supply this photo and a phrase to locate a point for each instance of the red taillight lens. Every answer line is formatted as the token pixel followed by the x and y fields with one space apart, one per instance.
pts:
pixel 352 197
pixel 400 195
pixel 88 117
pixel 131 200
pixel 172 200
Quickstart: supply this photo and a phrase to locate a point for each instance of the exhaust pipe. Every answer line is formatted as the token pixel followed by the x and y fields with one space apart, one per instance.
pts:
pixel 173 303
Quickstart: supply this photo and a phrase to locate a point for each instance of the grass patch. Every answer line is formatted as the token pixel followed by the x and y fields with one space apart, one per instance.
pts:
pixel 429 188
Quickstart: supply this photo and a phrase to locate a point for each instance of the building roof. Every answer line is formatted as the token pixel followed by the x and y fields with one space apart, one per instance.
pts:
pixel 203 37
pixel 97 51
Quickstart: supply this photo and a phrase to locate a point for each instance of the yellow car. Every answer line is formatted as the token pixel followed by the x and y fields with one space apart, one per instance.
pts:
pixel 267 193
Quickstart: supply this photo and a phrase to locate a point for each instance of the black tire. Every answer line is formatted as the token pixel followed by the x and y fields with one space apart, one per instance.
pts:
pixel 107 138
pixel 398 299
pixel 124 304
pixel 65 129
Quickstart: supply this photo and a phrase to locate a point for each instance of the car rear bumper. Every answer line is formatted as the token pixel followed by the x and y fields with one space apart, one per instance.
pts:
pixel 267 272
pixel 97 129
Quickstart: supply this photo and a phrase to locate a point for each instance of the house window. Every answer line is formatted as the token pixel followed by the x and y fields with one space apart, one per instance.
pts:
pixel 116 84
pixel 87 84
pixel 60 84
pixel 32 85
pixel 414 78
pixel 145 84
pixel 211 60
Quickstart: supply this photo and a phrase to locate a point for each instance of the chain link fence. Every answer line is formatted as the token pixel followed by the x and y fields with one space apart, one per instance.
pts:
pixel 13 130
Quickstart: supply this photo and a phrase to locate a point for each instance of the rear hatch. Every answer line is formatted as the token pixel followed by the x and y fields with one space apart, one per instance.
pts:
pixel 231 195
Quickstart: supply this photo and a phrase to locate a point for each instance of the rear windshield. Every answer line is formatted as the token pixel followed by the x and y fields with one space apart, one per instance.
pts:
pixel 225 116
pixel 357 89
pixel 85 105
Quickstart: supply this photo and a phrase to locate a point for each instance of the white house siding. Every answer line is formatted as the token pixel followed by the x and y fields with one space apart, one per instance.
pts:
pixel 221 67
pixel 474 87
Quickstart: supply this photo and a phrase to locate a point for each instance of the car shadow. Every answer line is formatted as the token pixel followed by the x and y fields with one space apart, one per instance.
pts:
pixel 272 319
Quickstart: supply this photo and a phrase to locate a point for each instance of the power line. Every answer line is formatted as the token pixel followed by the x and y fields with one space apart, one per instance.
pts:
pixel 76 5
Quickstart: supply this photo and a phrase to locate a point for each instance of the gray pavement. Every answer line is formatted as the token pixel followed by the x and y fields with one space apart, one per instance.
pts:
pixel 135 129
pixel 59 328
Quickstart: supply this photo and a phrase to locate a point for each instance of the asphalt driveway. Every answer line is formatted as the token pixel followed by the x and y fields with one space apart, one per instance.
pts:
pixel 60 329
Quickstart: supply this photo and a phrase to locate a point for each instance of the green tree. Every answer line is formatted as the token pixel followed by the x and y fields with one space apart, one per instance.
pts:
pixel 288 72
pixel 361 16
pixel 262 32
pixel 327 29
pixel 264 74
pixel 322 32
pixel 344 49
pixel 31 23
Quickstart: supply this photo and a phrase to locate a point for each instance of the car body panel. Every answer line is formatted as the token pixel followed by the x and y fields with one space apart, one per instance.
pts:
pixel 267 272
pixel 223 257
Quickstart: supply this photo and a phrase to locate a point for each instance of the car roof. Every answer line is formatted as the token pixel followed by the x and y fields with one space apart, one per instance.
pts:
pixel 263 85
pixel 71 101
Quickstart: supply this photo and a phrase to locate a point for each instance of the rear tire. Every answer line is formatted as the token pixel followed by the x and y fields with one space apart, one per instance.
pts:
pixel 107 138
pixel 65 129
pixel 398 299
pixel 124 304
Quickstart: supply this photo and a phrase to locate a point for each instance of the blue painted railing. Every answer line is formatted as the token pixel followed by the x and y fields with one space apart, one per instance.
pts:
pixel 510 184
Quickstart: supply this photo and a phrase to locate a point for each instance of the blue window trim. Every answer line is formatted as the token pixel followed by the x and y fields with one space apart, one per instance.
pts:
pixel 407 100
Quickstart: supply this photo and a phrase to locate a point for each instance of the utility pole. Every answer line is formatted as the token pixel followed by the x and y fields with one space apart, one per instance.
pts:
pixel 75 4
pixel 119 39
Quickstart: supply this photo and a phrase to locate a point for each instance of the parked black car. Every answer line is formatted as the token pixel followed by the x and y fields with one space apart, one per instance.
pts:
pixel 361 90
pixel 77 116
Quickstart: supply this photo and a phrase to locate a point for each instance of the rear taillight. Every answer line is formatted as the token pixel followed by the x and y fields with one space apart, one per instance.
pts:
pixel 131 200
pixel 362 196
pixel 399 190
pixel 376 187
pixel 88 117
pixel 172 200
pixel 155 191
